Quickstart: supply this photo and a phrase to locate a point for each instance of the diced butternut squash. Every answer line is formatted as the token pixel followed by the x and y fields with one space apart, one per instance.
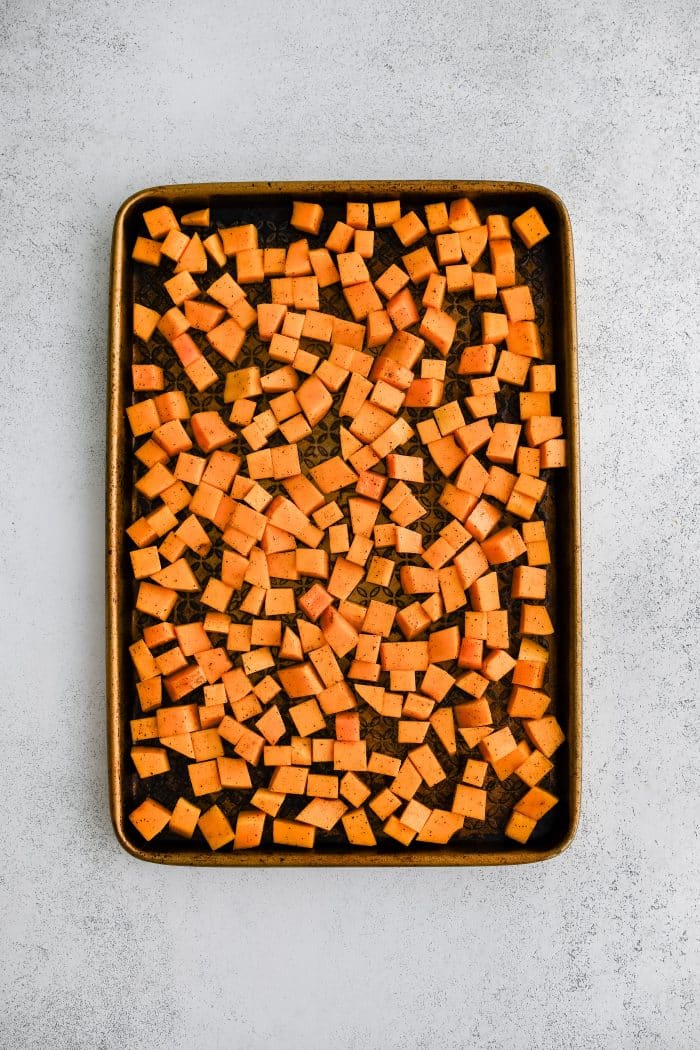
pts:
pixel 184 818
pixel 150 761
pixel 215 828
pixel 545 734
pixel 313 531
pixel 306 216
pixel 150 818
pixel 530 227
pixel 440 826
pixel 520 827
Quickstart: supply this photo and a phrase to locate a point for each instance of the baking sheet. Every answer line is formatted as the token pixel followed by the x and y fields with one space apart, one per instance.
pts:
pixel 548 269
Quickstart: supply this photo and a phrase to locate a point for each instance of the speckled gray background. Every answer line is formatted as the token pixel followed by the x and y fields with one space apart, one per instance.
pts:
pixel 594 950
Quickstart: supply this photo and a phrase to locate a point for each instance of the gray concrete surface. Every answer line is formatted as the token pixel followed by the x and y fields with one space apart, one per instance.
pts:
pixel 596 949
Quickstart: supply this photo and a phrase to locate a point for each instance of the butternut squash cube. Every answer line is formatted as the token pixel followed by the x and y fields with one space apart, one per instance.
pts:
pixel 520 827
pixel 306 216
pixel 150 761
pixel 249 829
pixel 350 755
pixel 440 826
pixel 409 229
pixel 291 833
pixel 149 818
pixel 358 829
pixel 534 768
pixel 545 734
pixel 145 321
pixel 475 772
pixel 439 329
pixel 463 215
pixel 427 765
pixel 494 327
pixel 534 619
pixel 502 262
pixel 485 286
pixel 530 227
pixel 184 818
pixel 322 813
pixel 469 802
pixel 215 827
pixel 386 213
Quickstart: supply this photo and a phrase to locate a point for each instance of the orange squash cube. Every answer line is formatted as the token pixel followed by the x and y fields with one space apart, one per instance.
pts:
pixel 357 215
pixel 517 303
pixel 463 215
pixel 323 267
pixel 201 374
pixel 227 339
pixel 439 329
pixel 350 755
pixel 409 229
pixel 238 238
pixel 215 249
pixel 534 768
pixel 143 417
pixel 475 772
pixel 530 227
pixel 233 772
pixel 460 279
pixel 363 243
pixel 159 221
pixel 473 242
pixel 406 783
pixel 184 817
pixel 427 765
pixel 391 282
pixel 469 802
pixel 437 218
pixel 145 321
pixel 541 429
pixel 529 673
pixel 494 327
pixel 420 264
pixel 477 360
pixel 306 216
pixel 200 217
pixel 534 619
pixel 503 546
pixel 434 295
pixel 527 703
pixel 181 287
pixel 291 833
pixel 249 829
pixel 358 829
pixel 340 237
pixel 529 583
pixel 520 827
pixel 149 818
pixel 150 761
pixel 502 262
pixel 545 734
pixel 193 258
pixel 440 826
pixel 174 244
pixel 552 454
pixel 386 213
pixel 504 442
pixel 146 251
pixel 215 827
pixel 523 338
pixel 322 813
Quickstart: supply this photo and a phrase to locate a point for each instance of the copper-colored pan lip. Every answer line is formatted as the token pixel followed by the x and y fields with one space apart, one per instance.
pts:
pixel 199 195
